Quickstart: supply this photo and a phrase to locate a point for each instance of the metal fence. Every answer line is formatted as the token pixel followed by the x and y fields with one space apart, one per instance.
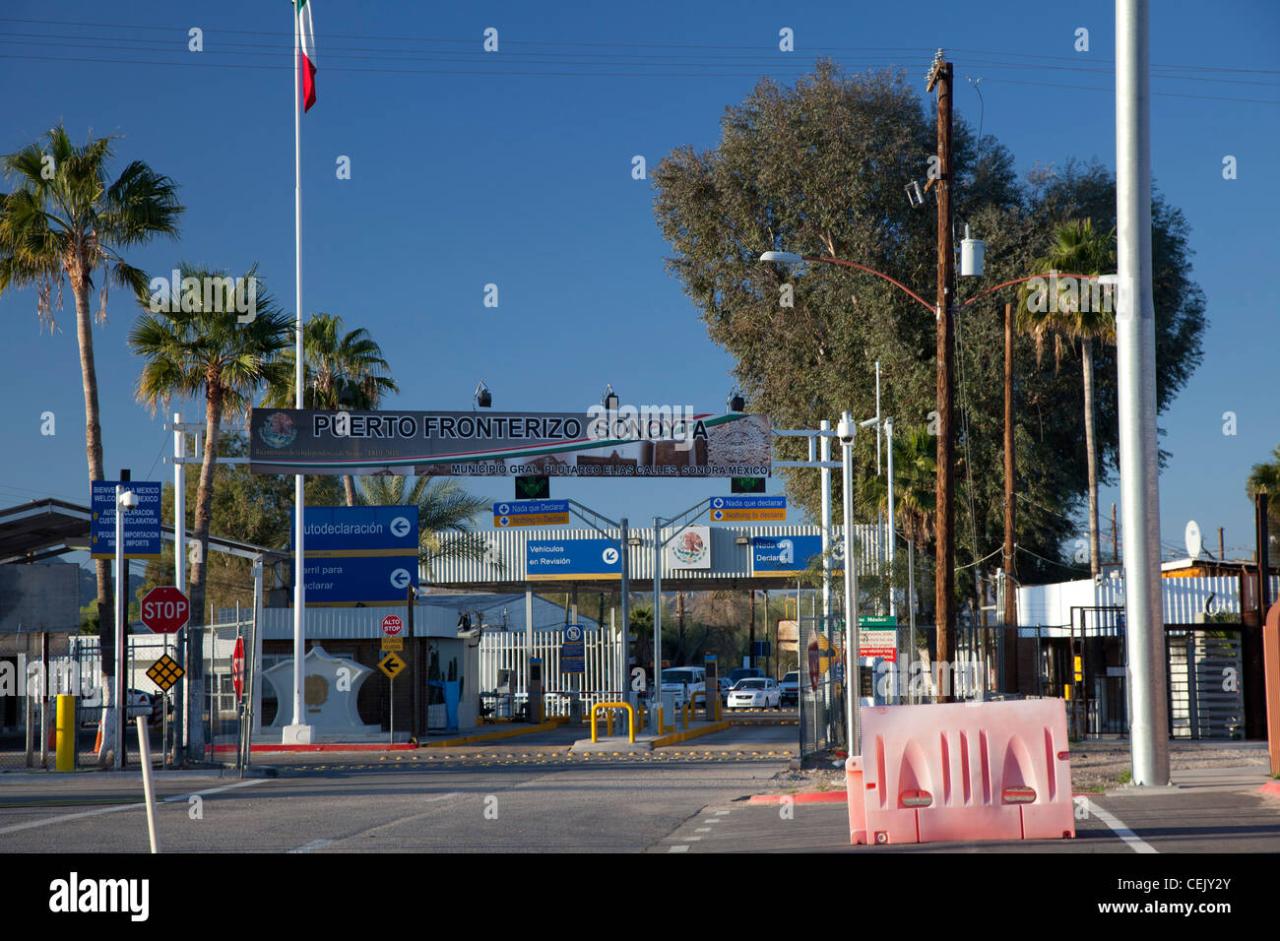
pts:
pixel 33 676
pixel 504 676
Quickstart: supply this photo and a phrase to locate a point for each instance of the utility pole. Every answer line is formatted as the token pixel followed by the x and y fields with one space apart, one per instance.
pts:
pixel 940 76
pixel 751 638
pixel 1115 536
pixel 1010 678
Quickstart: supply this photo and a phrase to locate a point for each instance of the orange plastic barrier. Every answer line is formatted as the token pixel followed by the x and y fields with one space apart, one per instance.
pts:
pixel 961 771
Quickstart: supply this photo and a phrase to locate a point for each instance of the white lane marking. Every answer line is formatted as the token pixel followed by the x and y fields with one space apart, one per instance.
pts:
pixel 116 808
pixel 702 830
pixel 679 849
pixel 1134 842
pixel 311 847
pixel 721 813
pixel 693 839
pixel 713 820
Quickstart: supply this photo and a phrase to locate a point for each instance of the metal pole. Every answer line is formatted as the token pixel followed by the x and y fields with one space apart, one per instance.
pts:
pixel 121 679
pixel 625 589
pixel 911 614
pixel 888 444
pixel 298 732
pixel 148 789
pixel 1136 387
pixel 656 697
pixel 44 699
pixel 853 682
pixel 824 454
pixel 878 425
pixel 180 710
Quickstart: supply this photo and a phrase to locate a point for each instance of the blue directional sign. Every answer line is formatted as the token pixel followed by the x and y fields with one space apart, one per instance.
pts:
pixel 372 580
pixel 727 509
pixel 573 650
pixel 531 513
pixel 359 554
pixel 359 530
pixel 141 524
pixel 572 559
pixel 787 555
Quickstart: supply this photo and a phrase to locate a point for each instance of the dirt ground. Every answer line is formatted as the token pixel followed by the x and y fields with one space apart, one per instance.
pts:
pixel 1095 766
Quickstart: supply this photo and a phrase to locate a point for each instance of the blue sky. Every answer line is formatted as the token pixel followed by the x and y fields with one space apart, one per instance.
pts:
pixel 462 176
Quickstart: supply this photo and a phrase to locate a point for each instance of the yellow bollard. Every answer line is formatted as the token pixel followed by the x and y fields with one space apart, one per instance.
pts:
pixel 65 750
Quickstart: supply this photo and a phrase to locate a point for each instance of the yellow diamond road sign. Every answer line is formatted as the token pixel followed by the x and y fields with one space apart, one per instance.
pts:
pixel 165 672
pixel 392 666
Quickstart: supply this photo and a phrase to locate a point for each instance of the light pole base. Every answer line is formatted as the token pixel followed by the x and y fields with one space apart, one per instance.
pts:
pixel 297 735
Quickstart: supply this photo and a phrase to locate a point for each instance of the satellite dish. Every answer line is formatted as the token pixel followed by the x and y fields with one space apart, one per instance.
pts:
pixel 1195 544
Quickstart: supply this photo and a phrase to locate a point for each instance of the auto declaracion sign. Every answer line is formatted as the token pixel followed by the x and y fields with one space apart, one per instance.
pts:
pixel 627 442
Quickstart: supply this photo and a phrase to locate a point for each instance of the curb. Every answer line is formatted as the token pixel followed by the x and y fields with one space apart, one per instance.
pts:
pixel 328 746
pixel 1271 789
pixel 679 737
pixel 804 797
pixel 547 726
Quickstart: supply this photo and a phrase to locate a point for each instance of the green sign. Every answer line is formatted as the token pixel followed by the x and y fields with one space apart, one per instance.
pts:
pixel 877 620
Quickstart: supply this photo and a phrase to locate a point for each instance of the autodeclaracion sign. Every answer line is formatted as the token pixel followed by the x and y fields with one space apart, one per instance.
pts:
pixel 572 559
pixel 650 441
pixel 359 554
pixel 141 524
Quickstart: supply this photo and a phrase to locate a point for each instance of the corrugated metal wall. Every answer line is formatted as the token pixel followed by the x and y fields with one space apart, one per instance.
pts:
pixel 1184 599
pixel 505 560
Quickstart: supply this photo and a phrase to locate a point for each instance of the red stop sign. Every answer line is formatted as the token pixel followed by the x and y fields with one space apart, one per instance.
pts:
pixel 392 625
pixel 165 610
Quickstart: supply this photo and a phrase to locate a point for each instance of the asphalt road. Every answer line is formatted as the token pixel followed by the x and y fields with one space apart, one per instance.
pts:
pixel 556 805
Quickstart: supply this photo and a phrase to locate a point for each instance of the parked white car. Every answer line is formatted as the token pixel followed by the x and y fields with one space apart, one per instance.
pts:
pixel 756 693
pixel 683 682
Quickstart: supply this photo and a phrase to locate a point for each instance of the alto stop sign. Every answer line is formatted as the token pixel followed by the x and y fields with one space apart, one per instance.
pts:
pixel 392 625
pixel 165 610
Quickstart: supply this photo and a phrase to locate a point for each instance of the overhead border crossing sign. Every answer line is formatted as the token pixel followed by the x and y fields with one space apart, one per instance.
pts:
pixel 531 513
pixel 359 554
pixel 572 559
pixel 783 556
pixel 747 509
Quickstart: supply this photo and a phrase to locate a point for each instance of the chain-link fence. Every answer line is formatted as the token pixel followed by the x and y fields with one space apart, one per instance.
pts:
pixel 35 669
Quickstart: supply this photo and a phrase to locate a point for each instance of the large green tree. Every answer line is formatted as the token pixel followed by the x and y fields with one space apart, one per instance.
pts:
pixel 820 168
pixel 343 370
pixel 67 221
pixel 1265 478
pixel 202 345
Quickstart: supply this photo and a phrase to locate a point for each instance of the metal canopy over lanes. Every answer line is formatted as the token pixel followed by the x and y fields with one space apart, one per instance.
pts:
pixel 503 567
pixel 42 529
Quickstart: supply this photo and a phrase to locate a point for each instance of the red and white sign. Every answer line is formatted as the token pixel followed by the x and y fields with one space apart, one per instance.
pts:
pixel 392 625
pixel 237 668
pixel 165 610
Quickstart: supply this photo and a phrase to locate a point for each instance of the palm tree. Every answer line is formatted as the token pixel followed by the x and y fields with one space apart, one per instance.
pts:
pixel 445 514
pixel 344 371
pixel 207 350
pixel 65 219
pixel 1265 478
pixel 1069 316
pixel 915 474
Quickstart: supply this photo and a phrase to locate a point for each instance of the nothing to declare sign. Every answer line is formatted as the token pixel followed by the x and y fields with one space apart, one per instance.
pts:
pixel 662 442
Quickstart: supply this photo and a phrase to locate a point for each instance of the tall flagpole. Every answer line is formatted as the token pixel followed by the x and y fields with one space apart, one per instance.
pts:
pixel 299 732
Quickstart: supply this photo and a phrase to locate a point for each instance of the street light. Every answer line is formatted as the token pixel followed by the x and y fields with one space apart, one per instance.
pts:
pixel 736 402
pixel 782 258
pixel 484 398
pixel 610 398
pixel 847 431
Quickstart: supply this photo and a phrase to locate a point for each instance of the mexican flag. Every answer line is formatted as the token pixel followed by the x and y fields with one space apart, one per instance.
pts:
pixel 307 51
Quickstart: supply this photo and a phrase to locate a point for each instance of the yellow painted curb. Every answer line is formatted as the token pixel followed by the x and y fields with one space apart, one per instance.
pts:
pixel 547 726
pixel 691 734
